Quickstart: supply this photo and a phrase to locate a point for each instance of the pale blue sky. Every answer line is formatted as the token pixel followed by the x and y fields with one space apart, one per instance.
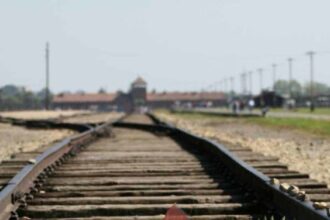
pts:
pixel 174 45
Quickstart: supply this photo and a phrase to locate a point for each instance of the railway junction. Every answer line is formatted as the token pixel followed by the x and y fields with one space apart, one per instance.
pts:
pixel 138 167
pixel 164 110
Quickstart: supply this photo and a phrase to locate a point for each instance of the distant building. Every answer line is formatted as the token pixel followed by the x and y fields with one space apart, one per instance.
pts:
pixel 269 98
pixel 137 98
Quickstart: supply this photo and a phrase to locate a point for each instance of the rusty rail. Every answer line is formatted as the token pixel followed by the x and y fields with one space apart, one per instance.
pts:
pixel 15 193
pixel 270 194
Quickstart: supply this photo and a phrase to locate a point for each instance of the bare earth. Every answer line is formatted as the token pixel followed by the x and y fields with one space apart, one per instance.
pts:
pixel 300 151
pixel 15 139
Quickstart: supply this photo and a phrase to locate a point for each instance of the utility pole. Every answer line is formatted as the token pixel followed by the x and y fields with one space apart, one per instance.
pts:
pixel 47 77
pixel 274 76
pixel 311 56
pixel 262 102
pixel 215 87
pixel 290 60
pixel 232 84
pixel 242 84
pixel 274 83
pixel 244 90
pixel 226 85
pixel 250 82
pixel 231 92
pixel 261 79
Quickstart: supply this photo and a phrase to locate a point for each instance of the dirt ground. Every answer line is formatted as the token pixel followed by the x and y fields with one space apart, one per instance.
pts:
pixel 15 139
pixel 39 114
pixel 300 151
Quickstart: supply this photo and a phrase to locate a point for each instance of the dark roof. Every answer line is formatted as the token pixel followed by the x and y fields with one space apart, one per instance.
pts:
pixel 139 82
pixel 165 96
pixel 185 96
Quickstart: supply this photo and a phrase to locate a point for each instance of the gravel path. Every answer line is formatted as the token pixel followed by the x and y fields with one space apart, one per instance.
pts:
pixel 300 151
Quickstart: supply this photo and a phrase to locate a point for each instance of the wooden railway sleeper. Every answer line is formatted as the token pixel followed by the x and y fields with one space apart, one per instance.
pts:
pixel 76 144
pixel 228 176
pixel 290 190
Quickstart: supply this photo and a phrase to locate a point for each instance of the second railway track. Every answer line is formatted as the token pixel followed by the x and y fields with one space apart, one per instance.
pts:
pixel 141 170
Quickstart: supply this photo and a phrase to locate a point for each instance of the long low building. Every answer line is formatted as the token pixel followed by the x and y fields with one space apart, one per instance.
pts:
pixel 137 98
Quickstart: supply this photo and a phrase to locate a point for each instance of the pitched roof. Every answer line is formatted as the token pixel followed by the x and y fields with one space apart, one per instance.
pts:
pixel 185 96
pixel 79 98
pixel 165 96
pixel 139 82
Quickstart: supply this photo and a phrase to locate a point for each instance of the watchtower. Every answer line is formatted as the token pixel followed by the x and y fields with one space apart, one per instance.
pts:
pixel 139 93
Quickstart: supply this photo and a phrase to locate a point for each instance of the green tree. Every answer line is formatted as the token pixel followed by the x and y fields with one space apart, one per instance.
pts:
pixel 296 89
pixel 15 98
pixel 282 88
pixel 319 89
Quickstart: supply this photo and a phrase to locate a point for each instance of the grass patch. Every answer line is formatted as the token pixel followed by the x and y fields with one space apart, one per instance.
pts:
pixel 320 111
pixel 313 126
pixel 320 127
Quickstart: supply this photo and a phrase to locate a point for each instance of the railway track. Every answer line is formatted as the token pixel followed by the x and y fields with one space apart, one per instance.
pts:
pixel 145 166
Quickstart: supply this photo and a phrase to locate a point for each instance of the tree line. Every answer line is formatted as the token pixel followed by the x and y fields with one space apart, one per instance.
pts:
pixel 297 90
pixel 18 98
pixel 14 97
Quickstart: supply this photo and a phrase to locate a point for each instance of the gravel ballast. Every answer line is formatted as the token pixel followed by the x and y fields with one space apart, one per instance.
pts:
pixel 301 151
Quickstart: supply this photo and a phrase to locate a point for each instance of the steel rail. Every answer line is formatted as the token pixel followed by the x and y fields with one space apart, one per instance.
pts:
pixel 258 183
pixel 14 193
